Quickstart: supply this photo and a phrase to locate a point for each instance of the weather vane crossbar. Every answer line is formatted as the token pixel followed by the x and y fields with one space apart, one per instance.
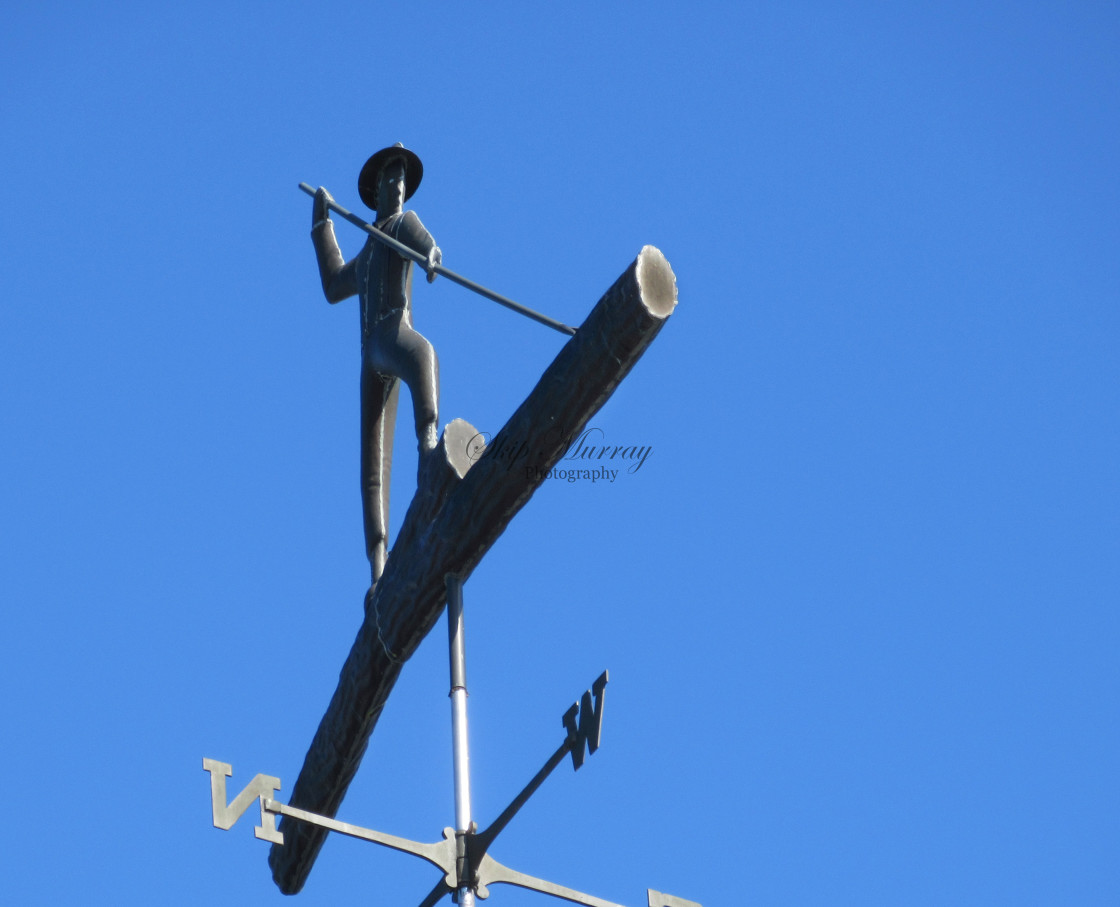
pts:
pixel 462 856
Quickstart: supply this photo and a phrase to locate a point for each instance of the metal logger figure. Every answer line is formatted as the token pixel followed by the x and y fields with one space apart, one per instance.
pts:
pixel 392 350
pixel 465 504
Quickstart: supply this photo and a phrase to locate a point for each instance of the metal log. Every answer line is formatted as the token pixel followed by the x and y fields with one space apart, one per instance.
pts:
pixel 460 509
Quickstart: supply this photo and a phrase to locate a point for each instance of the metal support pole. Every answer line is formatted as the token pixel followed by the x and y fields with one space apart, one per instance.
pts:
pixel 460 750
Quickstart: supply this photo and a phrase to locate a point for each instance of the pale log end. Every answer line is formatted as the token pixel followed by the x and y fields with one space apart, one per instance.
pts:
pixel 656 282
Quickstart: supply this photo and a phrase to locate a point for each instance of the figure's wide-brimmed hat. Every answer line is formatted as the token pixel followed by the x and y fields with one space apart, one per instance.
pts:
pixel 371 172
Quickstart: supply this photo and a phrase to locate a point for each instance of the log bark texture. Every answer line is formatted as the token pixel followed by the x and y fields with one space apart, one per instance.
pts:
pixel 463 503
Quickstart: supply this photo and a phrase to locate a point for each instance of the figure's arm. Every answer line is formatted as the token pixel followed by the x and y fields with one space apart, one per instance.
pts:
pixel 339 279
pixel 412 233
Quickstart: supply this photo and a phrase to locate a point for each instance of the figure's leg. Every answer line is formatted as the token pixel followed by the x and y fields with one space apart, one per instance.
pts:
pixel 379 417
pixel 409 355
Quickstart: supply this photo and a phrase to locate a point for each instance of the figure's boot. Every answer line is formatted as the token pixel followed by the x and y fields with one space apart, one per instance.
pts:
pixel 427 441
pixel 377 557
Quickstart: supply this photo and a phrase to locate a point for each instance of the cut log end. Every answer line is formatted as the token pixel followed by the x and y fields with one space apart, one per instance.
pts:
pixel 462 444
pixel 657 283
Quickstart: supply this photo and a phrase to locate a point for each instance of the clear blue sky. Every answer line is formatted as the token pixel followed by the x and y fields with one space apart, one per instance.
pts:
pixel 860 605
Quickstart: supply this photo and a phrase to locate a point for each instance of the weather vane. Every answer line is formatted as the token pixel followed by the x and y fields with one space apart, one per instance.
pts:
pixel 466 495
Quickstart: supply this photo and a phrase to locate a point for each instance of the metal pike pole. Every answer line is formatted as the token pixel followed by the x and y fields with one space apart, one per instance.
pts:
pixel 415 256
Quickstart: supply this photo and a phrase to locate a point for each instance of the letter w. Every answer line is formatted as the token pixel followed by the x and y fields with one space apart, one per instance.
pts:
pixel 590 727
pixel 260 787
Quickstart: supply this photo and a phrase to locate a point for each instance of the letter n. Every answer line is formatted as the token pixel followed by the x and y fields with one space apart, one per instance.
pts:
pixel 260 787
pixel 589 730
pixel 657 899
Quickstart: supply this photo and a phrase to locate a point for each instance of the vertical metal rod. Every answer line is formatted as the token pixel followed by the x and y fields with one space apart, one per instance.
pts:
pixel 460 750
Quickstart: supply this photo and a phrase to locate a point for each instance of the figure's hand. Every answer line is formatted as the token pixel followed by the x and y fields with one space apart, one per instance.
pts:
pixel 435 257
pixel 319 209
